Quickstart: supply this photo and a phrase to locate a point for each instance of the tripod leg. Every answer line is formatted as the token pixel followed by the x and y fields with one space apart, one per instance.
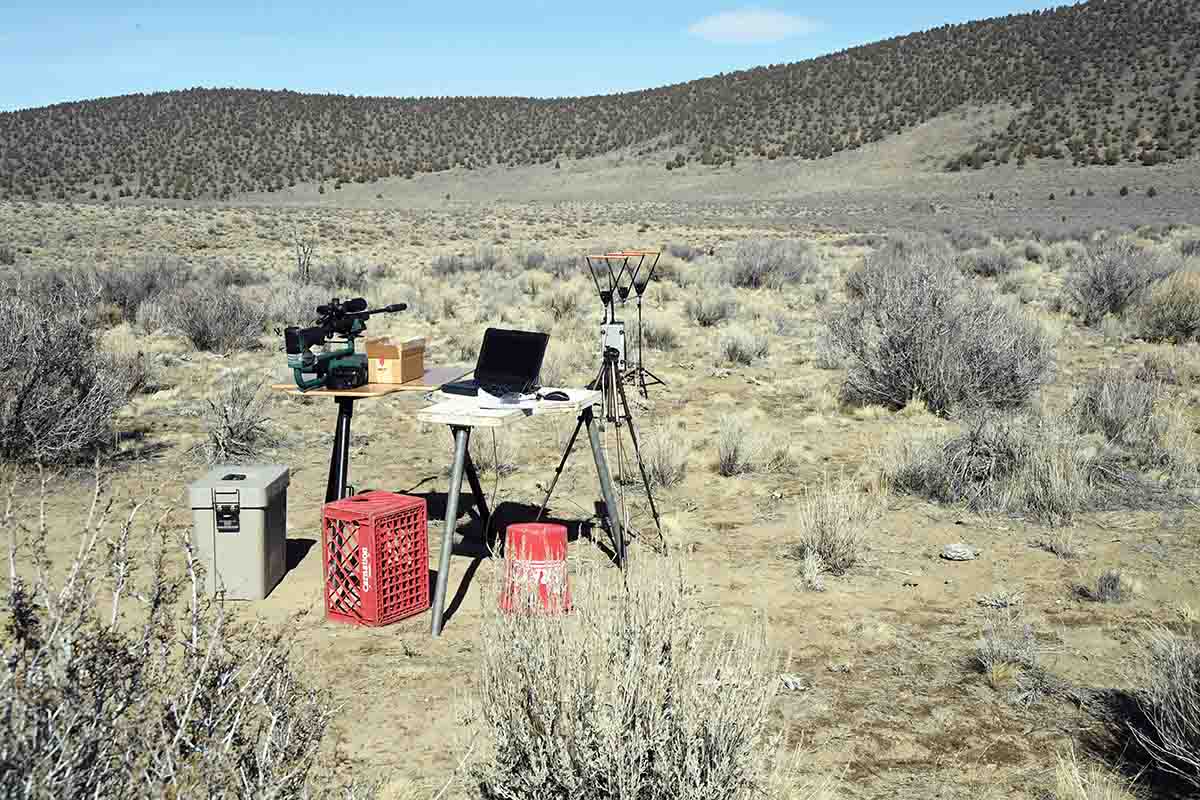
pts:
pixel 561 464
pixel 637 453
pixel 616 526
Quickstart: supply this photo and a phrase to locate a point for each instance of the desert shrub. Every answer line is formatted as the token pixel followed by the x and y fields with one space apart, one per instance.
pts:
pixel 8 255
pixel 989 262
pixel 1025 465
pixel 660 334
pixel 831 524
pixel 772 263
pixel 1110 278
pixel 1189 248
pixel 1166 726
pixel 153 316
pixel 734 448
pixel 62 392
pixel 484 259
pixel 225 275
pixel 123 682
pixel 666 456
pixel 627 697
pixel 533 259
pixel 1111 587
pixel 565 267
pixel 127 285
pixel 1034 252
pixel 684 252
pixel 966 238
pixel 743 347
pixel 236 425
pixel 709 310
pixel 915 327
pixel 339 275
pixel 291 303
pixel 1170 309
pixel 218 320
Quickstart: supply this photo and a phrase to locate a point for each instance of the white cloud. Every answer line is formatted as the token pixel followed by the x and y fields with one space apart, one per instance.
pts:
pixel 752 26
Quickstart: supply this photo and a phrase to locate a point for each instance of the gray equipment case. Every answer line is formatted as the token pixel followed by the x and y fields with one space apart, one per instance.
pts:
pixel 239 530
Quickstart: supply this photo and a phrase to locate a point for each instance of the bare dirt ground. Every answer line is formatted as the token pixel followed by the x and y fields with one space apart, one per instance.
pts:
pixel 889 702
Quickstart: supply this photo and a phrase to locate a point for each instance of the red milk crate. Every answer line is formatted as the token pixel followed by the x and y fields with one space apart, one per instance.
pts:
pixel 376 558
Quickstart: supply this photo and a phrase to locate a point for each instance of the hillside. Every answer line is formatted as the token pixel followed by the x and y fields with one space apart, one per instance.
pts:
pixel 1104 82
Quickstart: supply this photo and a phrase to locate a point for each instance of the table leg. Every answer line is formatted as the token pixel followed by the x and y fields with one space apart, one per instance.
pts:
pixel 461 438
pixel 339 459
pixel 606 487
pixel 485 515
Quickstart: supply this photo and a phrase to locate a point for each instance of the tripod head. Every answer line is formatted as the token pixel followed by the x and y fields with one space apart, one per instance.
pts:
pixel 618 274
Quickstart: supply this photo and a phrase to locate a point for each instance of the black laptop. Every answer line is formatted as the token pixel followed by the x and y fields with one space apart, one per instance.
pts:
pixel 509 361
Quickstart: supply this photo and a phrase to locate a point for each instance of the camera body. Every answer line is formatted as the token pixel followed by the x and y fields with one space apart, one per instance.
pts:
pixel 340 367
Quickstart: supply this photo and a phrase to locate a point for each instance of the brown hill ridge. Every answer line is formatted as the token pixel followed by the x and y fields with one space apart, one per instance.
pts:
pixel 1101 82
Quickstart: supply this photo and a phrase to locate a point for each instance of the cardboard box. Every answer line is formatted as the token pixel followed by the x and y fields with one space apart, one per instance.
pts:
pixel 390 361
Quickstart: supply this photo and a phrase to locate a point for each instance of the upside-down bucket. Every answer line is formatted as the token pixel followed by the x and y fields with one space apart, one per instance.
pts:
pixel 535 569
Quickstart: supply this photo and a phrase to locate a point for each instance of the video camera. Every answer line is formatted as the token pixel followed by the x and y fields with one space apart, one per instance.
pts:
pixel 338 368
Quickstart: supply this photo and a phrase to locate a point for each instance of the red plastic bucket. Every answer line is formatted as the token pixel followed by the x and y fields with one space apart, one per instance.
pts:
pixel 535 569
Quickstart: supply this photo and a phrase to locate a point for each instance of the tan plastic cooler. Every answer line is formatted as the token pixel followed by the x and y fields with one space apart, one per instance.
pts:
pixel 239 530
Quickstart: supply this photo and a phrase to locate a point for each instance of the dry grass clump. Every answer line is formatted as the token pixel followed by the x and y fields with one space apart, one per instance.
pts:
pixel 915 327
pixel 8 255
pixel 1170 310
pixel 1026 465
pixel 660 334
pixel 665 452
pixel 709 310
pixel 734 447
pixel 1110 278
pixel 1006 649
pixel 1091 781
pixel 218 320
pixel 495 452
pixel 1167 702
pixel 1111 587
pixel 121 681
pixel 1139 420
pixel 772 264
pixel 831 524
pixel 627 698
pixel 61 391
pixel 740 346
pixel 236 422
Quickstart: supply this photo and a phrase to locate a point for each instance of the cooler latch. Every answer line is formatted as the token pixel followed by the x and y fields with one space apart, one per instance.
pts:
pixel 227 508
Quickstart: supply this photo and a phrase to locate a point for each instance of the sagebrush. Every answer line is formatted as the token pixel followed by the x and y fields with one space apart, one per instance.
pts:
pixel 626 698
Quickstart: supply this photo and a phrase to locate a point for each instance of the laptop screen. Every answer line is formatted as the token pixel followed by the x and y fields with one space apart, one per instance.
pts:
pixel 511 357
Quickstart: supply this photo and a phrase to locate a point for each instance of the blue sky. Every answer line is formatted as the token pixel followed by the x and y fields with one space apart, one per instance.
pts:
pixel 57 51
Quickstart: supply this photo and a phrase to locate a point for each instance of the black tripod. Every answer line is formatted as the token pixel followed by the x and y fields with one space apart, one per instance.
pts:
pixel 614 409
pixel 639 373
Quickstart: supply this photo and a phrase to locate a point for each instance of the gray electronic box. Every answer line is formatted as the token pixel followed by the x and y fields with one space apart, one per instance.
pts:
pixel 239 529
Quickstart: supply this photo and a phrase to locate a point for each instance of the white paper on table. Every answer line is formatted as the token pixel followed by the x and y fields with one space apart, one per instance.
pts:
pixel 490 401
